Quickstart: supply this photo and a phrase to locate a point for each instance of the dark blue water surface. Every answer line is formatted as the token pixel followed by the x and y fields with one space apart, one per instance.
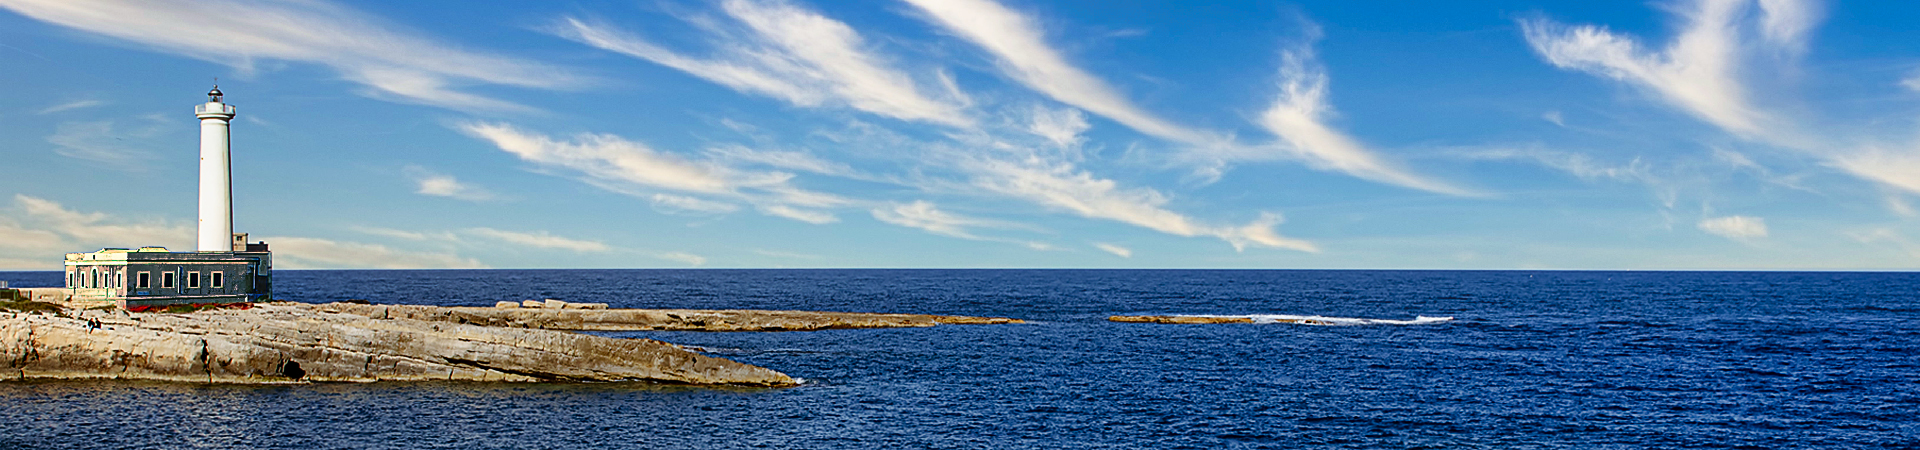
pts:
pixel 1533 360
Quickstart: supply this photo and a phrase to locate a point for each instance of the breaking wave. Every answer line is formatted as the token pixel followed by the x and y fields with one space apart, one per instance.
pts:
pixel 1332 321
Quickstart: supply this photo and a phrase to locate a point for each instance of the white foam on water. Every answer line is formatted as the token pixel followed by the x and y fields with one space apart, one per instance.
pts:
pixel 1330 321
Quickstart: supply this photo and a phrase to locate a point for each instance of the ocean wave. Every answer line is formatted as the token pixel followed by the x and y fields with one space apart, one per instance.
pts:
pixel 1331 321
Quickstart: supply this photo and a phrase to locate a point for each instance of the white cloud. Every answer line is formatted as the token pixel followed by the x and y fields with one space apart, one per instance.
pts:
pixel 1061 186
pixel 1785 23
pixel 36 232
pixel 675 204
pixel 1899 169
pixel 1912 83
pixel 1020 47
pixel 793 54
pixel 609 159
pixel 540 239
pixel 93 230
pixel 1899 205
pixel 443 185
pixel 790 160
pixel 98 142
pixel 1701 72
pixel 537 239
pixel 616 164
pixel 15 236
pixel 1698 71
pixel 314 253
pixel 76 104
pixel 925 216
pixel 407 235
pixel 1555 117
pixel 1889 236
pixel 1122 252
pixel 1298 117
pixel 1735 227
pixel 1578 164
pixel 1061 127
pixel 689 258
pixel 803 215
pixel 394 63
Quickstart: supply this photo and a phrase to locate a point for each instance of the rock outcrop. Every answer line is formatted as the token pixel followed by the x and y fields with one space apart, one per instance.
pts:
pixel 655 319
pixel 284 342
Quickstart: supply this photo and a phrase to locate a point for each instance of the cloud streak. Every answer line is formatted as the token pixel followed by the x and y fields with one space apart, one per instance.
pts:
pixel 68 106
pixel 792 54
pixel 1703 72
pixel 1020 48
pixel 1063 187
pixel 393 63
pixel 632 168
pixel 1298 116
pixel 541 239
pixel 316 253
pixel 1698 72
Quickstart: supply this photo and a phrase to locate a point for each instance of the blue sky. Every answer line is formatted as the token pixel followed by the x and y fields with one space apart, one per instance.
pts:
pixel 1709 134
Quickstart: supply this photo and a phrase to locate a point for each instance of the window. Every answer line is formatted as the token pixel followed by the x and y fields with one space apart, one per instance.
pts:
pixel 166 280
pixel 93 278
pixel 193 280
pixel 143 280
pixel 218 281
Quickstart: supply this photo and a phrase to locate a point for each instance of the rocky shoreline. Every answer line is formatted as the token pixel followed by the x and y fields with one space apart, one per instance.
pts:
pixel 297 342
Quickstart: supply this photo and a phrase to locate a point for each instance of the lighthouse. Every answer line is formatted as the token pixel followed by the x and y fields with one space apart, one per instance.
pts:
pixel 223 268
pixel 216 174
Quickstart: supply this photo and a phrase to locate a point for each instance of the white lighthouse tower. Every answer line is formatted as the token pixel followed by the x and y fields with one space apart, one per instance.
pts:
pixel 223 268
pixel 216 175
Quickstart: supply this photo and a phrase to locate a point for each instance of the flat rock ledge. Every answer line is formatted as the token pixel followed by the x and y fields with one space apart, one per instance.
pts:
pixel 1206 319
pixel 655 319
pixel 292 342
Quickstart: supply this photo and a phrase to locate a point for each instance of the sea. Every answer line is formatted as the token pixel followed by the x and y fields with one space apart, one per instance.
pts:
pixel 1406 359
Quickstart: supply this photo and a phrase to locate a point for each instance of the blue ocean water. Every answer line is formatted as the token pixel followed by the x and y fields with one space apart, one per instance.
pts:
pixel 1531 360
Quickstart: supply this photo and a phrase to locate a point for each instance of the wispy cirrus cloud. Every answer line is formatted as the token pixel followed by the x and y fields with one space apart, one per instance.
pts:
pixel 632 168
pixel 69 106
pixel 1062 186
pixel 541 239
pixel 1116 250
pixel 393 63
pixel 1298 116
pixel 105 142
pixel 1699 72
pixel 1705 71
pixel 793 54
pixel 1019 45
pixel 925 216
